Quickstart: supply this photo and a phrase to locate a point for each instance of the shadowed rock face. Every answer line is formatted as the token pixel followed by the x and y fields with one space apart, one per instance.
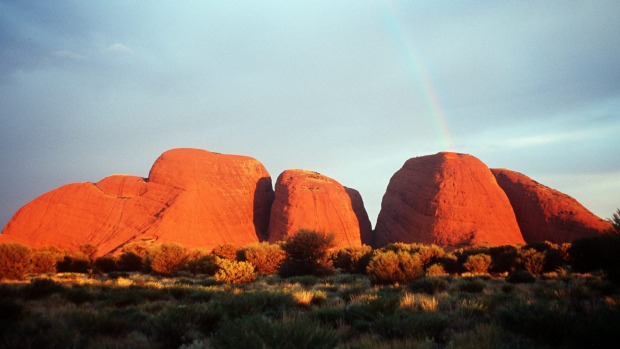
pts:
pixel 309 200
pixel 192 197
pixel 448 199
pixel 547 214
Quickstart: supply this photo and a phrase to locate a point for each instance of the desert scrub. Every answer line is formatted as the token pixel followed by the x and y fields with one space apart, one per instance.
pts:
pixel 14 261
pixel 167 259
pixel 226 251
pixel 478 263
pixel 353 259
pixel 389 267
pixel 234 272
pixel 532 260
pixel 307 254
pixel 265 257
pixel 262 332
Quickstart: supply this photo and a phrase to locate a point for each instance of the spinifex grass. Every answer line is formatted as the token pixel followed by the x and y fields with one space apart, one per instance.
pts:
pixel 338 311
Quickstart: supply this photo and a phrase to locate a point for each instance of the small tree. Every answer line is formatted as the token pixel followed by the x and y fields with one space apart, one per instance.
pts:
pixel 307 254
pixel 14 261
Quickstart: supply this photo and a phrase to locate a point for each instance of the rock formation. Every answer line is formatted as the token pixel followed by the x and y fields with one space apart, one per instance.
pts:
pixel 309 200
pixel 192 197
pixel 547 214
pixel 448 199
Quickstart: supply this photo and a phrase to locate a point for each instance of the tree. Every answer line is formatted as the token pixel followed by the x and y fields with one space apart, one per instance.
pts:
pixel 307 254
pixel 615 221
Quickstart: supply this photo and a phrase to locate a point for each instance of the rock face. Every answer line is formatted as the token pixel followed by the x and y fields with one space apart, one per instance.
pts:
pixel 547 214
pixel 448 199
pixel 309 200
pixel 192 197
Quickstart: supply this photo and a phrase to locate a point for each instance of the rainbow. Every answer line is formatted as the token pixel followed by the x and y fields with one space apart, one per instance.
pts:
pixel 420 77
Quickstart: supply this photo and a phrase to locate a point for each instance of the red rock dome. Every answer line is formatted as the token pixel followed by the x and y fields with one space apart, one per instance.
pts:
pixel 447 199
pixel 547 214
pixel 309 200
pixel 192 197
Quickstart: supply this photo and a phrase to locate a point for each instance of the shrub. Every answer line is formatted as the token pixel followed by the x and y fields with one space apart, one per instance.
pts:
pixel 226 251
pixel 265 257
pixel 234 272
pixel 262 332
pixel 389 267
pixel 105 264
pixel 521 277
pixel 353 259
pixel 436 270
pixel 14 261
pixel 430 285
pixel 504 258
pixel 44 261
pixel 478 263
pixel 205 264
pixel 167 259
pixel 597 252
pixel 306 254
pixel 130 261
pixel 532 260
pixel 471 285
pixel 73 262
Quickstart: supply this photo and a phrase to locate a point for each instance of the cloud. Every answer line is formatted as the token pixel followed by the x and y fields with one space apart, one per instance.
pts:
pixel 119 48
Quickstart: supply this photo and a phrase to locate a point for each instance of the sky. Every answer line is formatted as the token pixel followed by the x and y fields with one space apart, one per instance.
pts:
pixel 350 89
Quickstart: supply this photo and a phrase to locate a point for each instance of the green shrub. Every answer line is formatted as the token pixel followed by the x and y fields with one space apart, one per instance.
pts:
pixel 130 261
pixel 417 325
pixel 471 285
pixel 74 262
pixel 597 253
pixel 234 272
pixel 504 258
pixel 389 267
pixel 14 261
pixel 430 285
pixel 478 263
pixel 532 260
pixel 265 257
pixel 226 251
pixel 205 264
pixel 353 259
pixel 307 254
pixel 521 277
pixel 41 288
pixel 262 332
pixel 167 259
pixel 105 264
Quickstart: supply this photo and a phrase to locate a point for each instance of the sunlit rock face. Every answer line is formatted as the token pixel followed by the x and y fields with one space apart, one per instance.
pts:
pixel 547 214
pixel 447 199
pixel 309 200
pixel 192 197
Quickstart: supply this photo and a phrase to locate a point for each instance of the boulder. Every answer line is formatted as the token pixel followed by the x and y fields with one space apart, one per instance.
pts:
pixel 192 197
pixel 309 200
pixel 547 214
pixel 448 199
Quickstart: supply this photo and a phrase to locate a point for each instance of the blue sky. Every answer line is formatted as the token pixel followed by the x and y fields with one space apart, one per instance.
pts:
pixel 351 89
